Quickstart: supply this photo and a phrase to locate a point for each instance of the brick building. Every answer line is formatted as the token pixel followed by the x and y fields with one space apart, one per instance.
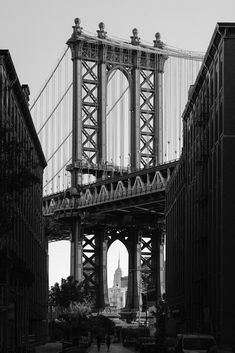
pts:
pixel 23 246
pixel 200 199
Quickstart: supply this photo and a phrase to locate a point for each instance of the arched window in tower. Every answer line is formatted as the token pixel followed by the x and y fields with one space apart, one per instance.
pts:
pixel 117 266
pixel 118 122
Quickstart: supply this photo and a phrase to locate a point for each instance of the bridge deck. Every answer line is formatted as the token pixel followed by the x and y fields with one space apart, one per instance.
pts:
pixel 136 198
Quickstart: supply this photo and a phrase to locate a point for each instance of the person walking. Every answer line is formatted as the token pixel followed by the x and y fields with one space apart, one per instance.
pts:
pixel 108 341
pixel 98 342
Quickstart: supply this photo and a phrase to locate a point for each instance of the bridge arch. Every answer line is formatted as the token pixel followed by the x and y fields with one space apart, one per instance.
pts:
pixel 123 70
pixel 118 117
pixel 117 266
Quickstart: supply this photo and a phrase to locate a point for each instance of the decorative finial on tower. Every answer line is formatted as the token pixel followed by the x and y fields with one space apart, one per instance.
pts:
pixel 77 29
pixel 101 32
pixel 135 40
pixel 157 42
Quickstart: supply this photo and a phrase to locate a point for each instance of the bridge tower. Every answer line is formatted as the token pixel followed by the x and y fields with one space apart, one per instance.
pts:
pixel 95 59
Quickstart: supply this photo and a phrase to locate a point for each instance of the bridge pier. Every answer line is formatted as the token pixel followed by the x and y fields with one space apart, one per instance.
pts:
pixel 134 271
pixel 76 269
pixel 102 300
pixel 156 242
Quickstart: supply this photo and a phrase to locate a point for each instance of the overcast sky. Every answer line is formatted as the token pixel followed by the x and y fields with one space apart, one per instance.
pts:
pixel 35 32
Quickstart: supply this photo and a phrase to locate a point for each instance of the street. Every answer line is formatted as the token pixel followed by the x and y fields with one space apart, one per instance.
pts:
pixel 114 348
pixel 56 347
pixel 51 347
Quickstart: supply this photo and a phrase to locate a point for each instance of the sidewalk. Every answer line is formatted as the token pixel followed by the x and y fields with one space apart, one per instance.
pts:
pixel 114 348
pixel 52 347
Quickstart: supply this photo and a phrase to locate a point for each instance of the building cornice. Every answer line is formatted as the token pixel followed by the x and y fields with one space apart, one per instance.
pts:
pixel 221 31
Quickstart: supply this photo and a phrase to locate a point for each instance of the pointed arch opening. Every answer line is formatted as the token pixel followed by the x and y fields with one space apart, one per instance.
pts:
pixel 117 266
pixel 118 119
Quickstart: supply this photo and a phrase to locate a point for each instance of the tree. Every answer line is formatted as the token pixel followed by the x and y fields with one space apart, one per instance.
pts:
pixel 55 228
pixel 160 314
pixel 70 292
pixel 100 325
pixel 73 301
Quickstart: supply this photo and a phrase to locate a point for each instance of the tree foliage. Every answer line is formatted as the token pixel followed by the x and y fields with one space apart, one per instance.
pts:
pixel 70 292
pixel 56 228
pixel 74 302
pixel 100 325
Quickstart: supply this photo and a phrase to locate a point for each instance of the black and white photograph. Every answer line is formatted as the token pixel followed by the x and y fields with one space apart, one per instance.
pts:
pixel 117 164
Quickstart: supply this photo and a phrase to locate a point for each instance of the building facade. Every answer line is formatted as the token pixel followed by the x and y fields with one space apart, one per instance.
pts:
pixel 23 246
pixel 117 294
pixel 200 199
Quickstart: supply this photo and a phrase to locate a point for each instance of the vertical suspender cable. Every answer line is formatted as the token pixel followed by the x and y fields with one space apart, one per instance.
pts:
pixel 114 120
pixel 53 132
pixel 122 129
pixel 171 112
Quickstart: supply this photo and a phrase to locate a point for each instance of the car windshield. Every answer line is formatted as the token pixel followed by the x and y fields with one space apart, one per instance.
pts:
pixel 198 343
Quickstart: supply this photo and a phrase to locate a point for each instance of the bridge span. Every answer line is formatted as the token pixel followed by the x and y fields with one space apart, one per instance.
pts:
pixel 114 199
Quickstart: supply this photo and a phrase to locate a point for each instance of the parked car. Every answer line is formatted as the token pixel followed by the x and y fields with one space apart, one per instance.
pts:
pixel 190 343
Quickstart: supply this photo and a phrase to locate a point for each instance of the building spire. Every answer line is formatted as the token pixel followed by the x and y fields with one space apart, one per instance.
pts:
pixel 119 259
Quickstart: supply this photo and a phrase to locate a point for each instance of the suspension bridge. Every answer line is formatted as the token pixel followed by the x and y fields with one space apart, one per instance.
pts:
pixel 109 122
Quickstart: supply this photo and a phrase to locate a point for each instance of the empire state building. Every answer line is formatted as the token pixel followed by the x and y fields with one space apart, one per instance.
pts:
pixel 117 294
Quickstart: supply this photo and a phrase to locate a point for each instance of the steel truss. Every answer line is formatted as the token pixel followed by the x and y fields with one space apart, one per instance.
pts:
pixel 94 62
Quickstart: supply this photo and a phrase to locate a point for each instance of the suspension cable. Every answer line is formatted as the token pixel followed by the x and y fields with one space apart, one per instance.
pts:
pixel 49 78
pixel 66 138
pixel 48 182
pixel 56 106
pixel 167 50
pixel 114 105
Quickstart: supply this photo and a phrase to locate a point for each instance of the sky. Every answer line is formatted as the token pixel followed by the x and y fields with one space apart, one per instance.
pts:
pixel 36 32
pixel 60 269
